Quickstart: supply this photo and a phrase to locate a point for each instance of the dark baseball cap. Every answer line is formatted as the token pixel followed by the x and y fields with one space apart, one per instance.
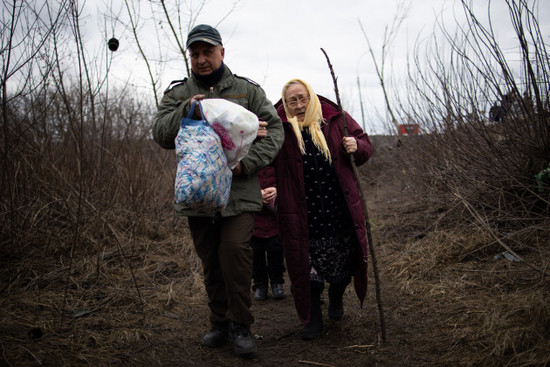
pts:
pixel 204 33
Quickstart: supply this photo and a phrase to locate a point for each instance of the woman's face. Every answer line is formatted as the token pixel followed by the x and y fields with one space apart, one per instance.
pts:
pixel 297 100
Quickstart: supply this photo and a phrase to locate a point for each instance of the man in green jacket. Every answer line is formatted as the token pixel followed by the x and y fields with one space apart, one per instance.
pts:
pixel 221 239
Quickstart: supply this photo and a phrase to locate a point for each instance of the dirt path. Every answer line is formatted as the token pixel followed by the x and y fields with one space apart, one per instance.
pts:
pixel 354 341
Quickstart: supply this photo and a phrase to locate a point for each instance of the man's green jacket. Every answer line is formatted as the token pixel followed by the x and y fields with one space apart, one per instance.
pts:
pixel 245 189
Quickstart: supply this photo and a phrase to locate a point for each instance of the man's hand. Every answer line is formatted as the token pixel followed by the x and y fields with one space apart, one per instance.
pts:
pixel 262 130
pixel 269 194
pixel 238 169
pixel 196 98
pixel 350 144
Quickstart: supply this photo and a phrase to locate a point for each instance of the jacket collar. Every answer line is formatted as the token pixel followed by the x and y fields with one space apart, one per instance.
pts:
pixel 225 81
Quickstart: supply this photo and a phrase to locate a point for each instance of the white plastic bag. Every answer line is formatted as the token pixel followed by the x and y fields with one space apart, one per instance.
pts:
pixel 236 126
pixel 203 179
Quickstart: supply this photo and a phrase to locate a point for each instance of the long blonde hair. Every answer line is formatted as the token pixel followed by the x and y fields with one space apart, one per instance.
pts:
pixel 312 120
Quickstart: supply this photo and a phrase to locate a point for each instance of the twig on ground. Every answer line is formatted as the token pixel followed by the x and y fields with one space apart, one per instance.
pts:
pixel 359 346
pixel 119 244
pixel 315 363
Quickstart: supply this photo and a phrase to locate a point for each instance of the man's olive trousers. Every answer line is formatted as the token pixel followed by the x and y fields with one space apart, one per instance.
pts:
pixel 223 245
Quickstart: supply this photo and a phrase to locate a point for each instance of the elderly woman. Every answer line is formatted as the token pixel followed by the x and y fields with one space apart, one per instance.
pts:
pixel 321 218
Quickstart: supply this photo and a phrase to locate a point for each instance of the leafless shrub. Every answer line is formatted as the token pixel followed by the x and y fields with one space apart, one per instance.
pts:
pixel 80 173
pixel 488 161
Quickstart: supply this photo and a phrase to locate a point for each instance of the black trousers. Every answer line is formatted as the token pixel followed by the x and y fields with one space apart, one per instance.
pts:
pixel 268 263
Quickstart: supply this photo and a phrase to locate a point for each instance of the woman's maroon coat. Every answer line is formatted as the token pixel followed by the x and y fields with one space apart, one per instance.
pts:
pixel 292 211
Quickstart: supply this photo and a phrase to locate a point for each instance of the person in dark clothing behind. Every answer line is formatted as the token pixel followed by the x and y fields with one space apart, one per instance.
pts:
pixel 268 264
pixel 321 219
pixel 222 239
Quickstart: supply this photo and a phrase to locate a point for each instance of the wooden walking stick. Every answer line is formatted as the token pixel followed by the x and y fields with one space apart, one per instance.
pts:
pixel 364 202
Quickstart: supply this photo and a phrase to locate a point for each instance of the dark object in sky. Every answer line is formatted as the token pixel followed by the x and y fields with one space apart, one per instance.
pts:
pixel 113 44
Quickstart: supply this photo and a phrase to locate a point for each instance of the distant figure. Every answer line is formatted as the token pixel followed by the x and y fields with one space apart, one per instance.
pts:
pixel 321 218
pixel 512 106
pixel 222 239
pixel 268 267
pixel 495 113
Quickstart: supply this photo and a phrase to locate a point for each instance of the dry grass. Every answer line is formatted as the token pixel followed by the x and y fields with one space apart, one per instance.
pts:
pixel 475 309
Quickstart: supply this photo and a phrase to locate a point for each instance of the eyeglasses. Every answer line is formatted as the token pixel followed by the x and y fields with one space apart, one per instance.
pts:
pixel 293 102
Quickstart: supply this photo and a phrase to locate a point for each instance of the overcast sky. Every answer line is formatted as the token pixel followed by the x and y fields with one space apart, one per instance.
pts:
pixel 272 42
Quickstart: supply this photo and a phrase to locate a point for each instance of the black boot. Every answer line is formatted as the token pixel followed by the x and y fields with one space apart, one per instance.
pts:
pixel 335 301
pixel 217 336
pixel 277 291
pixel 260 289
pixel 314 328
pixel 244 343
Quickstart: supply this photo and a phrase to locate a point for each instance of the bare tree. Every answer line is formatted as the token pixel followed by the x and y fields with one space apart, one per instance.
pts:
pixel 167 24
pixel 390 35
pixel 27 29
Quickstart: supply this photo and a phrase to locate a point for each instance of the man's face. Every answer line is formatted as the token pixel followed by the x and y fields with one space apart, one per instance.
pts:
pixel 297 100
pixel 205 58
